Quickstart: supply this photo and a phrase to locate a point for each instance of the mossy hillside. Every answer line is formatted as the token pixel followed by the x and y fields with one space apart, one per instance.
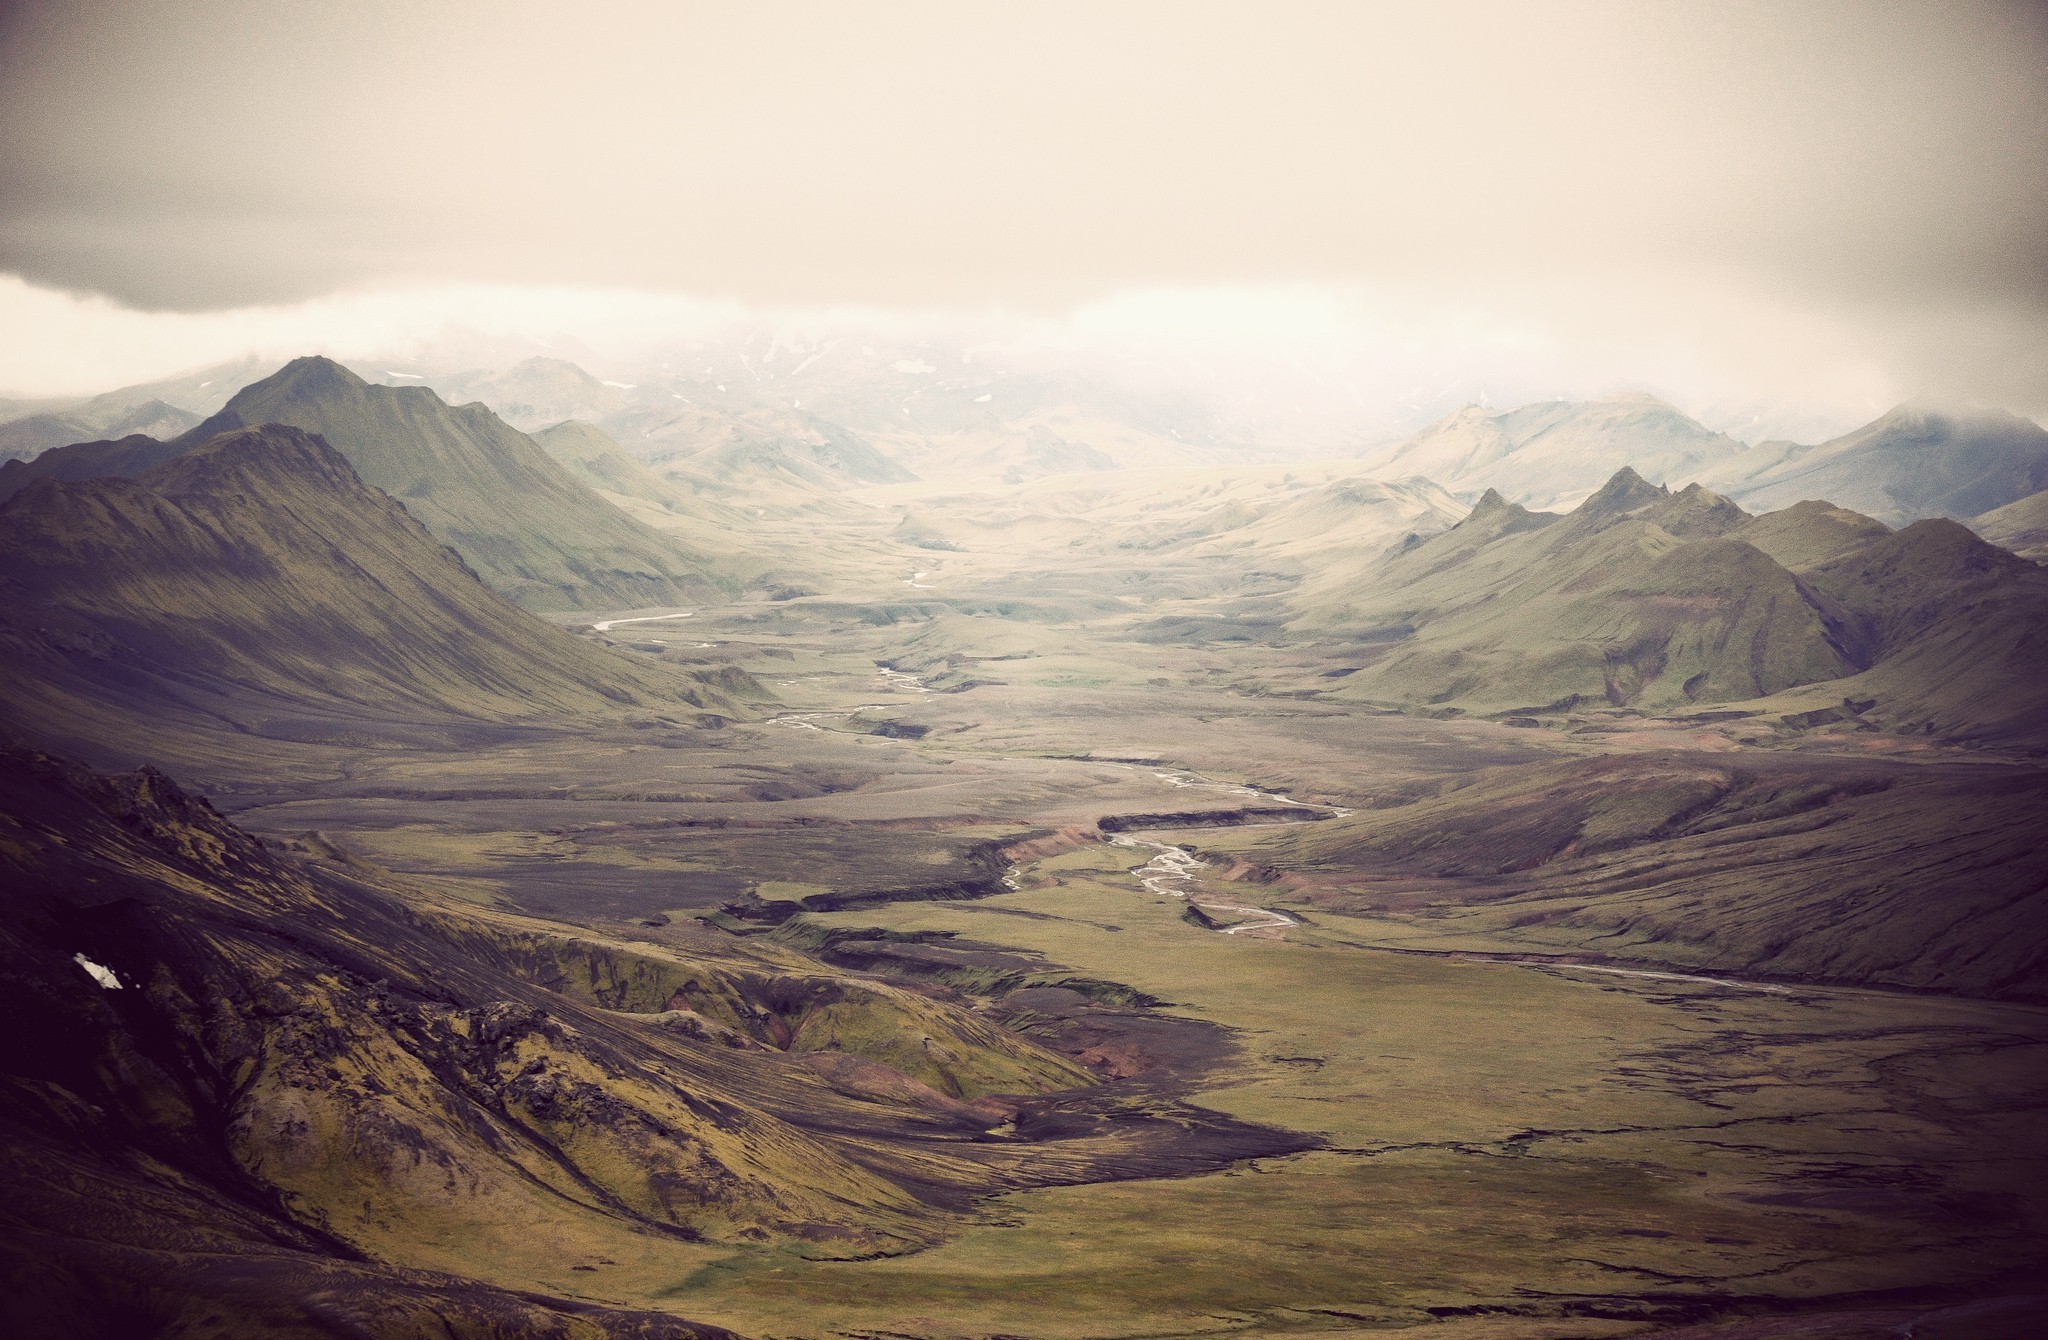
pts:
pixel 365 1064
pixel 951 1050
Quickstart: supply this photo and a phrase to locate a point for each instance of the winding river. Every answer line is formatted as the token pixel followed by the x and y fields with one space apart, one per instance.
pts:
pixel 1171 874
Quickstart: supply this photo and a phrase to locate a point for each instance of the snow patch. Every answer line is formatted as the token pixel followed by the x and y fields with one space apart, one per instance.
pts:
pixel 99 972
pixel 409 376
pixel 623 386
pixel 983 399
pixel 916 365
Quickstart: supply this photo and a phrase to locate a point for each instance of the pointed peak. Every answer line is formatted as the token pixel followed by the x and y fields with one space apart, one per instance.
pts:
pixel 1625 492
pixel 1490 508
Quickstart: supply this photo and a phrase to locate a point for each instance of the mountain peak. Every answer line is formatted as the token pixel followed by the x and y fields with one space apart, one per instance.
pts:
pixel 311 374
pixel 1624 492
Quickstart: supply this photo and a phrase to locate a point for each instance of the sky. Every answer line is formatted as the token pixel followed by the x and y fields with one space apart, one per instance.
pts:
pixel 1840 203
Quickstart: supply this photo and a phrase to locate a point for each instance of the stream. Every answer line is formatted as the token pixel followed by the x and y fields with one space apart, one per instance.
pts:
pixel 1171 866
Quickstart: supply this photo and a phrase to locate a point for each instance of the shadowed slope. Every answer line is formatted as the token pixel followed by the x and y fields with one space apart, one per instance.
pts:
pixel 257 575
pixel 1957 632
pixel 125 457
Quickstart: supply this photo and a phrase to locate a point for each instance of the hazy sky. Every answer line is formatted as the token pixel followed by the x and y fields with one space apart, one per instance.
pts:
pixel 1848 191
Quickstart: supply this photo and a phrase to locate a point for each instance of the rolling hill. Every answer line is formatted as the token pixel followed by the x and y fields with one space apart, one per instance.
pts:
pixel 1915 462
pixel 1555 453
pixel 255 582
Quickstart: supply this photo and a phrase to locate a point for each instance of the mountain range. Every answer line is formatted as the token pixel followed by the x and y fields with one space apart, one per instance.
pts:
pixel 1556 453
pixel 255 581
pixel 1662 602
pixel 1908 464
pixel 526 525
pixel 25 438
pixel 1913 462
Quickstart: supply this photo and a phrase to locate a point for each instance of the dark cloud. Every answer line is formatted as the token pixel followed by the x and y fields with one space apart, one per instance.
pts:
pixel 1884 161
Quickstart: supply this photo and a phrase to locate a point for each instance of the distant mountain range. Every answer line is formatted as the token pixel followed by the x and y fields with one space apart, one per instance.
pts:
pixel 1556 453
pixel 256 582
pixel 1663 602
pixel 518 517
pixel 1909 464
pixel 24 439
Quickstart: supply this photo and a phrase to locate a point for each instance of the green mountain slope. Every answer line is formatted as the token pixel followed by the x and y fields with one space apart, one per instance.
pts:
pixel 1640 597
pixel 1653 601
pixel 490 492
pixel 243 1094
pixel 256 581
pixel 592 456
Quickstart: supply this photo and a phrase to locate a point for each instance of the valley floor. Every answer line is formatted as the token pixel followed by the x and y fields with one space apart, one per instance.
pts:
pixel 1506 1135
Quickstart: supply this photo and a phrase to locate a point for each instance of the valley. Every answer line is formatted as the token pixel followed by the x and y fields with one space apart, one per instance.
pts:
pixel 1505 1130
pixel 920 671
pixel 1222 899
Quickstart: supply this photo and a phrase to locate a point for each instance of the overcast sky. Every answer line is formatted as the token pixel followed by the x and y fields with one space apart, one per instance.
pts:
pixel 1847 191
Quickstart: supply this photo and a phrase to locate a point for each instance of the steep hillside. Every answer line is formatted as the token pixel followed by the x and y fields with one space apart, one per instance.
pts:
pixel 244 1094
pixel 2021 527
pixel 1955 629
pixel 1913 462
pixel 489 491
pixel 257 579
pixel 1555 453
